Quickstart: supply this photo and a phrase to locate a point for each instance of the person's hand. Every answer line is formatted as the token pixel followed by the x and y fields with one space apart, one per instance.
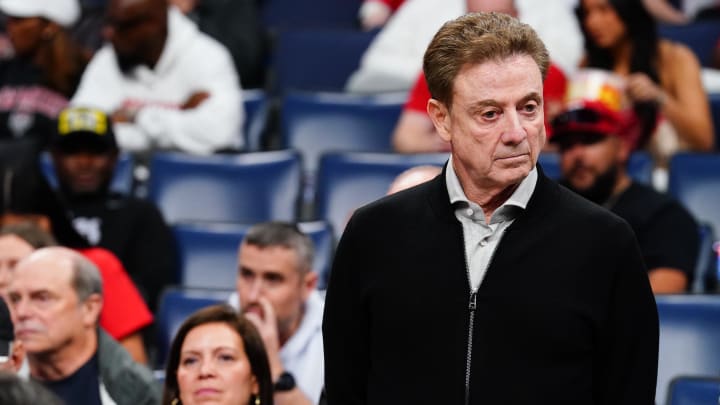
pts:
pixel 123 115
pixel 267 327
pixel 641 88
pixel 195 100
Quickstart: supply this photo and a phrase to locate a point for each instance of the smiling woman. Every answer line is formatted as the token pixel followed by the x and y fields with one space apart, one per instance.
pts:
pixel 217 356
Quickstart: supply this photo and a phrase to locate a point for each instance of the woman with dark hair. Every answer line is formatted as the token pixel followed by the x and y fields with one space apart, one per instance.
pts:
pixel 46 68
pixel 663 78
pixel 217 355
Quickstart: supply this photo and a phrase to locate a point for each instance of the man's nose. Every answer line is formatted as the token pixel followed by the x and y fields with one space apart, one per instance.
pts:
pixel 256 288
pixel 514 131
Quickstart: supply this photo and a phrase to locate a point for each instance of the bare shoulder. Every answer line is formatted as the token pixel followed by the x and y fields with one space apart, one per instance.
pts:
pixel 674 53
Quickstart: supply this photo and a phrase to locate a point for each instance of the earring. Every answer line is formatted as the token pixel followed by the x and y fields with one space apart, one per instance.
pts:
pixel 257 400
pixel 175 401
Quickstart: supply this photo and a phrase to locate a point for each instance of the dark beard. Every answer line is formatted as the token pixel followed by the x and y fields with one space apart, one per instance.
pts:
pixel 601 189
pixel 127 63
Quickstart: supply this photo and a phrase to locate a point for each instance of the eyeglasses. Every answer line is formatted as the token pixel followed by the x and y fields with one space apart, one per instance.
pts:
pixel 580 116
pixel 567 141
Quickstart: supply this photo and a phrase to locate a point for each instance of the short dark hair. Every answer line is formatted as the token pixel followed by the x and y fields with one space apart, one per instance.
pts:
pixel 285 234
pixel 31 233
pixel 254 349
pixel 477 38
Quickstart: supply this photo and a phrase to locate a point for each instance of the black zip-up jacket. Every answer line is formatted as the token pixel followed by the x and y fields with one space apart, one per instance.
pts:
pixel 565 314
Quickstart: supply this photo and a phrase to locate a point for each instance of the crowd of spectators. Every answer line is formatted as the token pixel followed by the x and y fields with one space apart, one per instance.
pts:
pixel 86 81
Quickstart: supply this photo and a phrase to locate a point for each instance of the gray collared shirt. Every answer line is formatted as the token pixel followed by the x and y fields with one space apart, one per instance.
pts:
pixel 482 238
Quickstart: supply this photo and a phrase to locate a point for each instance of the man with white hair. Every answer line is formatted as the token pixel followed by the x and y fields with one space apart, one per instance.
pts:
pixel 56 298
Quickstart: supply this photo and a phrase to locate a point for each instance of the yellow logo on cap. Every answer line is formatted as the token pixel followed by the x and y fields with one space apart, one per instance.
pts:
pixel 82 119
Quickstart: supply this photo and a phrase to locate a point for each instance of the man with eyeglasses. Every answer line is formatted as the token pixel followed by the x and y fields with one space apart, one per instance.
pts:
pixel 595 146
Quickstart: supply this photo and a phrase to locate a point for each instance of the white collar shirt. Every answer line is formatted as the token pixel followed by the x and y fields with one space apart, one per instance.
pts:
pixel 481 238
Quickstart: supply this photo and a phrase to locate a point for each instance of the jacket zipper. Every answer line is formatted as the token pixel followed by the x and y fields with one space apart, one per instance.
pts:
pixel 472 307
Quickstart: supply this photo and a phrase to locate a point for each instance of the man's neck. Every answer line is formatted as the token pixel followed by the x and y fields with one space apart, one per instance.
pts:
pixel 60 364
pixel 490 197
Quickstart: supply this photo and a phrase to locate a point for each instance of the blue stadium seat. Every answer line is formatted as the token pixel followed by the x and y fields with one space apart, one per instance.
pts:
pixel 689 336
pixel 242 188
pixel 317 60
pixel 701 37
pixel 122 181
pixel 278 14
pixel 256 108
pixel 640 166
pixel 550 163
pixel 347 181
pixel 687 390
pixel 208 252
pixel 315 123
pixel 694 180
pixel 706 271
pixel 176 305
pixel 714 100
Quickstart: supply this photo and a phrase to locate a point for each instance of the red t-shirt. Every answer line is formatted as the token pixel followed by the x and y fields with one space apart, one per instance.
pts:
pixel 553 89
pixel 393 4
pixel 124 311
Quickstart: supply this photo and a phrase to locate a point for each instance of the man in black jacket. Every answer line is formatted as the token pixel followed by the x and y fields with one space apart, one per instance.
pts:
pixel 84 153
pixel 490 284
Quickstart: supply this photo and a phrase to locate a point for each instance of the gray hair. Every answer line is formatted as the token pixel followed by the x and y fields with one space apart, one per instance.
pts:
pixel 284 234
pixel 86 277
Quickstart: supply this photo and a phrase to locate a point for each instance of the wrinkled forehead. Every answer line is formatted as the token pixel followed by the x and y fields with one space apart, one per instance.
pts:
pixel 43 273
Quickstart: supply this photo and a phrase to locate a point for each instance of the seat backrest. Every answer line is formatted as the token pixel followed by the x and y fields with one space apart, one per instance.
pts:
pixel 243 188
pixel 317 60
pixel 122 181
pixel 689 336
pixel 694 180
pixel 278 14
pixel 640 166
pixel 714 100
pixel 256 107
pixel 347 181
pixel 689 390
pixel 700 37
pixel 705 275
pixel 316 123
pixel 209 252
pixel 176 305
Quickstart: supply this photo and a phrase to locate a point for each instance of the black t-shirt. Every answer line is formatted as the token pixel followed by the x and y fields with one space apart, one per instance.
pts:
pixel 134 230
pixel 82 387
pixel 667 233
pixel 28 108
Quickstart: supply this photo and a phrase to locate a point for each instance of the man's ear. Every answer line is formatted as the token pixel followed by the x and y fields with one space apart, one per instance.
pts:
pixel 440 117
pixel 309 283
pixel 91 309
pixel 624 150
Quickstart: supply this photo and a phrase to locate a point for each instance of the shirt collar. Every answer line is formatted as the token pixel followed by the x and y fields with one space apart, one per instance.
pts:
pixel 519 198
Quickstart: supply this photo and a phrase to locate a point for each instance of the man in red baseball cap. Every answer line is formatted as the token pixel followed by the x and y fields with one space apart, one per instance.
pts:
pixel 595 143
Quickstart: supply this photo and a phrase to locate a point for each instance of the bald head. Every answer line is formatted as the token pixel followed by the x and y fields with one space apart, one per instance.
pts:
pixel 61 264
pixel 412 177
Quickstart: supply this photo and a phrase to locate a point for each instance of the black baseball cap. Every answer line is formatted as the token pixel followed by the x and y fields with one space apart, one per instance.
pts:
pixel 80 128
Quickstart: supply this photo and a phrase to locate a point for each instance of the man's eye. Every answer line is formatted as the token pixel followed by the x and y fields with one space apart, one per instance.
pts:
pixel 530 108
pixel 489 115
